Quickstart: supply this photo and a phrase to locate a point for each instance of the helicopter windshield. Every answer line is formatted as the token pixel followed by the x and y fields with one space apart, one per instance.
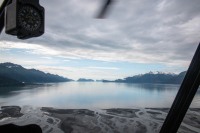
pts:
pixel 125 67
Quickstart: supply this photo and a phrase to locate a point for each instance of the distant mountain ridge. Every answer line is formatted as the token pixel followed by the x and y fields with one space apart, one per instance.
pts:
pixel 13 73
pixel 159 77
pixel 85 80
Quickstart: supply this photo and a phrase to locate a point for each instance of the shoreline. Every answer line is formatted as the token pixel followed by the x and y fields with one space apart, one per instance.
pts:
pixel 118 120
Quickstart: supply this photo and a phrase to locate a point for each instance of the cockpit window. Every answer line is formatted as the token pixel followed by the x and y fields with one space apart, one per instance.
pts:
pixel 118 73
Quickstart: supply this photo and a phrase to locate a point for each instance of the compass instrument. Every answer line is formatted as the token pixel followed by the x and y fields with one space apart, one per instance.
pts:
pixel 24 19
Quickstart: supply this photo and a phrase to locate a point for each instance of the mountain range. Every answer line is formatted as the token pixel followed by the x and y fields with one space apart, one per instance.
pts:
pixel 13 74
pixel 85 80
pixel 159 77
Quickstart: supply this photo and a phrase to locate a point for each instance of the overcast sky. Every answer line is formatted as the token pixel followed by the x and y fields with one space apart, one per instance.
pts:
pixel 138 36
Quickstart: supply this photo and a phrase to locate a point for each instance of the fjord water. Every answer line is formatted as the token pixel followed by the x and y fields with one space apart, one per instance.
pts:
pixel 76 95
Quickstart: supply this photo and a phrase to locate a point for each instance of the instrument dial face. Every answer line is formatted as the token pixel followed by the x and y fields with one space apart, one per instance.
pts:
pixel 29 18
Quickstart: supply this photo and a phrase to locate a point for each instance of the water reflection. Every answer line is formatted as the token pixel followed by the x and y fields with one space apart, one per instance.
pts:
pixel 154 87
pixel 11 91
pixel 92 95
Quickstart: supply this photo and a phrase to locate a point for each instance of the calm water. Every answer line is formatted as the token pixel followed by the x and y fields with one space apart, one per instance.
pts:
pixel 93 95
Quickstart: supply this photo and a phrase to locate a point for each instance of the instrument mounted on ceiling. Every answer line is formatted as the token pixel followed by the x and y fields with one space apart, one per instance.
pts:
pixel 24 19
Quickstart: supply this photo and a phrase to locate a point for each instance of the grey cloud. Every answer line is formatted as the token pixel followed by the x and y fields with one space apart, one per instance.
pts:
pixel 149 30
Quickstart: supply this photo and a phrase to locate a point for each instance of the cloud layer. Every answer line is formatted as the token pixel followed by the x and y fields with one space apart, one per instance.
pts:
pixel 137 31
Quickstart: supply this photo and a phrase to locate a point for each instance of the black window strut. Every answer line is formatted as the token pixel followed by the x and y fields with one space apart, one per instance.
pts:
pixel 184 96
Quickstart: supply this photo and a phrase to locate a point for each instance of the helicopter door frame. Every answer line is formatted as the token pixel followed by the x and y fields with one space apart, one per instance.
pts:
pixel 184 96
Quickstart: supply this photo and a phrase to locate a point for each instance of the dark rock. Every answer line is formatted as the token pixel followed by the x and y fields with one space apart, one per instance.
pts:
pixel 10 111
